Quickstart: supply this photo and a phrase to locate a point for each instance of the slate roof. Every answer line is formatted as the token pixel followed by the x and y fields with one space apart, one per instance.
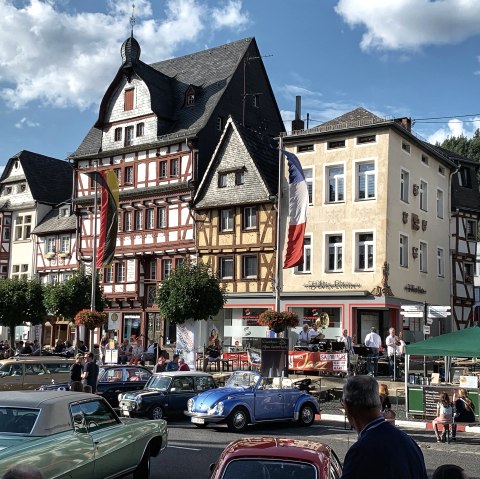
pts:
pixel 49 179
pixel 54 223
pixel 359 115
pixel 209 71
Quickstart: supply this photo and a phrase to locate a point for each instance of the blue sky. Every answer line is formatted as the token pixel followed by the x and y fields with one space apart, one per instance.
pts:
pixel 415 58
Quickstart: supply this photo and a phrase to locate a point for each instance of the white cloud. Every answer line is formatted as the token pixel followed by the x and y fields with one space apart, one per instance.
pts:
pixel 455 127
pixel 26 122
pixel 411 24
pixel 230 16
pixel 62 58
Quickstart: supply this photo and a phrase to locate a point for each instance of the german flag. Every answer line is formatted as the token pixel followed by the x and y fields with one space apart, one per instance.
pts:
pixel 107 239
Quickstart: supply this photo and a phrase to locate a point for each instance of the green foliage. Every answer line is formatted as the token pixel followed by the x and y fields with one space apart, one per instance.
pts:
pixel 21 300
pixel 71 296
pixel 191 292
pixel 464 146
pixel 90 319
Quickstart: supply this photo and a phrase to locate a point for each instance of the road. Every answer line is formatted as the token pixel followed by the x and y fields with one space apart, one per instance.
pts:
pixel 192 450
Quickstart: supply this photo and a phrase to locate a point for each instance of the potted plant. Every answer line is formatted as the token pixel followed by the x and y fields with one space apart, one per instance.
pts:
pixel 278 321
pixel 50 255
pixel 90 319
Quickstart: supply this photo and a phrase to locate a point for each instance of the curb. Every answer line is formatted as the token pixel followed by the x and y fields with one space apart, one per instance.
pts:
pixel 427 425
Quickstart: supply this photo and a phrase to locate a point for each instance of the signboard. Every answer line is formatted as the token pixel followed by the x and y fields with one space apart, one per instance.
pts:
pixel 250 316
pixel 426 329
pixel 439 312
pixel 317 361
pixel 431 396
pixel 186 342
pixel 111 356
pixel 274 357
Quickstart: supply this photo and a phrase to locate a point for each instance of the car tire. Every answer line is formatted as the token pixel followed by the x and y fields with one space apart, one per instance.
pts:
pixel 201 426
pixel 238 420
pixel 306 415
pixel 156 412
pixel 143 469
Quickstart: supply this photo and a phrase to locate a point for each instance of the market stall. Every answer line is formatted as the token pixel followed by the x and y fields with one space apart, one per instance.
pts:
pixel 459 352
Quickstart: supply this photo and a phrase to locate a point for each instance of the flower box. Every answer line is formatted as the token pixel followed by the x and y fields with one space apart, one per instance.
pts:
pixel 90 319
pixel 278 321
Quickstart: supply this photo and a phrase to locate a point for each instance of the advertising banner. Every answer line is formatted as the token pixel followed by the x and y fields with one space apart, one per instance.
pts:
pixel 186 342
pixel 317 361
pixel 274 357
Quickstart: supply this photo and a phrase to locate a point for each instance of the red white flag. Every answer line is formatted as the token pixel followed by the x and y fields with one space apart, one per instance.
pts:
pixel 297 206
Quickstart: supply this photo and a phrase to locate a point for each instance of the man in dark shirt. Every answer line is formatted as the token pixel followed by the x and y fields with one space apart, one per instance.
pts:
pixel 76 369
pixel 90 373
pixel 378 440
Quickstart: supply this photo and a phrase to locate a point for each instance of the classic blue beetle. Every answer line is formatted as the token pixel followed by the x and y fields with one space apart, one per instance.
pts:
pixel 249 398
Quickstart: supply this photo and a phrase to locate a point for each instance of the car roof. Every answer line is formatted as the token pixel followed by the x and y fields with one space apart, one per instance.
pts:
pixel 19 359
pixel 182 373
pixel 276 447
pixel 121 366
pixel 38 399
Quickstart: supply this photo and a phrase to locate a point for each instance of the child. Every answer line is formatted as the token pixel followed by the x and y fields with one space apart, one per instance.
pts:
pixel 444 416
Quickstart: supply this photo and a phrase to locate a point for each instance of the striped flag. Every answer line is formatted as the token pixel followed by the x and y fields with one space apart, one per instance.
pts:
pixel 297 206
pixel 108 182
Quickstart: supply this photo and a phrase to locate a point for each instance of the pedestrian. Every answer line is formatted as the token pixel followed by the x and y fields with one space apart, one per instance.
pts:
pixel 160 366
pixel 23 471
pixel 464 410
pixel 379 443
pixel 76 368
pixel 182 365
pixel 173 364
pixel 392 342
pixel 373 341
pixel 90 373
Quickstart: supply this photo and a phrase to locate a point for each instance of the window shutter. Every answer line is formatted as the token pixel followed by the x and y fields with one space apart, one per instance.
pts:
pixel 128 99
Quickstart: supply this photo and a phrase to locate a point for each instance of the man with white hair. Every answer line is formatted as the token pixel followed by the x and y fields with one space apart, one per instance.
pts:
pixel 391 342
pixel 373 341
pixel 378 441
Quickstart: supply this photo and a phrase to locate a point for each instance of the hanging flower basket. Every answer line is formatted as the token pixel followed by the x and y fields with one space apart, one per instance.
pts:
pixel 323 321
pixel 278 321
pixel 90 319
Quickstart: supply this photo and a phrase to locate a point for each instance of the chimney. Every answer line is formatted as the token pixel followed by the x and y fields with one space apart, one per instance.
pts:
pixel 406 123
pixel 298 123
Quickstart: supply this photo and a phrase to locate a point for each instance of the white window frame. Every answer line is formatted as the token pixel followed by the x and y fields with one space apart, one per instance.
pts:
pixel 222 261
pixel 138 219
pixel 162 217
pixel 369 175
pixel 404 185
pixel 120 272
pixel 306 266
pixel 127 221
pixel 334 251
pixel 50 244
pixel 129 135
pixel 150 218
pixel 245 259
pixel 250 217
pixel 227 220
pixel 23 227
pixel 406 147
pixel 174 167
pixel 367 247
pixel 423 257
pixel 108 275
pixel 423 195
pixel 167 265
pixel 152 269
pixel 440 262
pixel 128 175
pixel 403 250
pixel 65 244
pixel 162 169
pixel 338 181
pixel 440 204
pixel 308 172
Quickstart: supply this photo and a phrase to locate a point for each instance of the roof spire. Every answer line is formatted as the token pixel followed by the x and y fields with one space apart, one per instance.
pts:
pixel 132 19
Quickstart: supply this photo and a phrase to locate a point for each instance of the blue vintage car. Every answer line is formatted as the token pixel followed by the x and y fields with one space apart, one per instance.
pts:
pixel 248 398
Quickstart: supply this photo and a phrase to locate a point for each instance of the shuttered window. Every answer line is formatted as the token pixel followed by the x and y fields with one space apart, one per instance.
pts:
pixel 128 99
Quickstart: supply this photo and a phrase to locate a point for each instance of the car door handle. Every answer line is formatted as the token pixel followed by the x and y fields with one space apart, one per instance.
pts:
pixel 96 443
pixel 280 395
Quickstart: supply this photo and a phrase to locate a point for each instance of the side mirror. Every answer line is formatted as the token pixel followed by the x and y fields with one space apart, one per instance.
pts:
pixel 212 466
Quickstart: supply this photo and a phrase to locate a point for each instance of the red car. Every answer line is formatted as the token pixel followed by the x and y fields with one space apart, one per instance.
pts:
pixel 276 458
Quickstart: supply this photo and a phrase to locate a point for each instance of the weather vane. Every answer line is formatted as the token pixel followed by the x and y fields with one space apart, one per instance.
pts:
pixel 132 18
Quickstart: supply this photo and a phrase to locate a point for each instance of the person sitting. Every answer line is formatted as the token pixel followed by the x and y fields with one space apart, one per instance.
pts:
pixel 160 366
pixel 59 347
pixel 132 376
pixel 137 352
pixel 182 365
pixel 173 364
pixel 304 336
pixel 123 352
pixel 151 353
pixel 70 350
pixel 464 410
pixel 444 417
pixel 213 354
pixel 81 347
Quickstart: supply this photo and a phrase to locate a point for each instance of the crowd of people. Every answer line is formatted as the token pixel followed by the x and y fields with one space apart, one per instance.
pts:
pixel 20 347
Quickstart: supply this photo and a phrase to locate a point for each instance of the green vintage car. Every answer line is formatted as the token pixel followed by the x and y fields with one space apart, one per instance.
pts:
pixel 75 435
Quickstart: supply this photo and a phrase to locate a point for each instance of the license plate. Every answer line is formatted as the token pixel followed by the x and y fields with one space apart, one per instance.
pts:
pixel 125 412
pixel 198 420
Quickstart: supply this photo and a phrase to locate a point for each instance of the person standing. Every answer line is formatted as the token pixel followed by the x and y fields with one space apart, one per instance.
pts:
pixel 182 365
pixel 379 442
pixel 160 366
pixel 90 374
pixel 347 340
pixel 391 341
pixel 304 336
pixel 173 364
pixel 373 341
pixel 76 369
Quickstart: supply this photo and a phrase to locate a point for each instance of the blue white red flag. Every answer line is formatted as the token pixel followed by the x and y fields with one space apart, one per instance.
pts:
pixel 297 206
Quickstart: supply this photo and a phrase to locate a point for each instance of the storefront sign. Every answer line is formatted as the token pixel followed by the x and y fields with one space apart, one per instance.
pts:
pixel 274 357
pixel 411 288
pixel 250 315
pixel 332 285
pixel 317 361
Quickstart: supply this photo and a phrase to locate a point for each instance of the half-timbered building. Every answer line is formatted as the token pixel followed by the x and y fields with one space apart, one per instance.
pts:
pixel 235 217
pixel 157 128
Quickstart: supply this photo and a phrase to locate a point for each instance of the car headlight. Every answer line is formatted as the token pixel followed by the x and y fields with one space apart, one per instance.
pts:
pixel 120 397
pixel 190 404
pixel 138 400
pixel 217 409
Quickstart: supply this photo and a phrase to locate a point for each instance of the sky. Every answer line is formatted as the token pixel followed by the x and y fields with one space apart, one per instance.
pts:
pixel 415 58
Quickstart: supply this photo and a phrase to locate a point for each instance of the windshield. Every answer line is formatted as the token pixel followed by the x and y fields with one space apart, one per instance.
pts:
pixel 159 383
pixel 17 420
pixel 242 379
pixel 265 468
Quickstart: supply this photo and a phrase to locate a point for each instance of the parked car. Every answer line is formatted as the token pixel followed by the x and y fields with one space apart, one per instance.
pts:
pixel 75 435
pixel 113 380
pixel 165 394
pixel 30 372
pixel 248 398
pixel 270 457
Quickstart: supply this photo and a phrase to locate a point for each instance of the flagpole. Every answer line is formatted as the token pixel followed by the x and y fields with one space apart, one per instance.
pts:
pixel 278 266
pixel 94 255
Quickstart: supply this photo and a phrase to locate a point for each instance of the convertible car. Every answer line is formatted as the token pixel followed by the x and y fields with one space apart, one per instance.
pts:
pixel 248 398
pixel 271 457
pixel 75 435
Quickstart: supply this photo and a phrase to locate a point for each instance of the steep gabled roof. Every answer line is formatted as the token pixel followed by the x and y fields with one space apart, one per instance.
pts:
pixel 49 179
pixel 54 223
pixel 359 115
pixel 209 70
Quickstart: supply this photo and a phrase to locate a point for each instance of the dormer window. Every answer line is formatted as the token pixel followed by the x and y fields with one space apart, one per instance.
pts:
pixel 140 129
pixel 64 211
pixel 21 188
pixel 190 96
pixel 128 99
pixel 8 190
pixel 118 134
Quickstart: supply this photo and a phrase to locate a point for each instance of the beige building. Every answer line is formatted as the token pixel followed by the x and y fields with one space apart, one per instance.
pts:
pixel 377 232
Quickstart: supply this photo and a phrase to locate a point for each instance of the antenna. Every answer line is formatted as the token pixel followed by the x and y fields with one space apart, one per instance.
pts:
pixel 132 18
pixel 245 94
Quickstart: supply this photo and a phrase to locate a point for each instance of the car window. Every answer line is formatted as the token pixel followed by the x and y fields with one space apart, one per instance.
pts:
pixel 15 369
pixel 17 420
pixel 63 367
pixel 266 469
pixel 96 415
pixel 34 369
pixel 113 375
pixel 133 374
pixel 203 383
pixel 143 374
pixel 242 379
pixel 158 383
pixel 183 384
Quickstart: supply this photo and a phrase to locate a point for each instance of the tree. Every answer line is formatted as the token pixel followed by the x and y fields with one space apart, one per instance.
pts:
pixel 191 292
pixel 21 301
pixel 73 295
